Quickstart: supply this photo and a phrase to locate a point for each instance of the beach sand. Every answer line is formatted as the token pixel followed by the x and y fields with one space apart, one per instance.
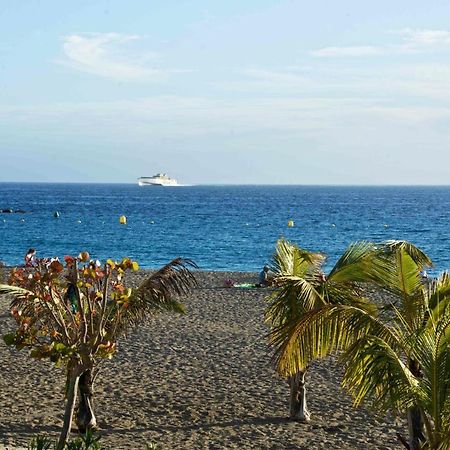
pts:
pixel 202 380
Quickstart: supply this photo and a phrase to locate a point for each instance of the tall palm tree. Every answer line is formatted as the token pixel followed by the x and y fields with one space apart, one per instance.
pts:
pixel 302 287
pixel 75 316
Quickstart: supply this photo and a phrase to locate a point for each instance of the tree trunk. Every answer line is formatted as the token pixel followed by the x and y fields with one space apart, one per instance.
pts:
pixel 85 416
pixel 298 409
pixel 415 421
pixel 415 428
pixel 70 406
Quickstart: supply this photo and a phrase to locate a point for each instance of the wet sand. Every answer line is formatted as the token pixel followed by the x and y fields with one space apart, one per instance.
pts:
pixel 202 380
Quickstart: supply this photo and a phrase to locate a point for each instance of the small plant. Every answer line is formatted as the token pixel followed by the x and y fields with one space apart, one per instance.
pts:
pixel 152 446
pixel 40 443
pixel 86 442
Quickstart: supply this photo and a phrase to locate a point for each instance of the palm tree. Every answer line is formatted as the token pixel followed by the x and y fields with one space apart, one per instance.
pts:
pixel 405 366
pixel 396 354
pixel 75 317
pixel 301 287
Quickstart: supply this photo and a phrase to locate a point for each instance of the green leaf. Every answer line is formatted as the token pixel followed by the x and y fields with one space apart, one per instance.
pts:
pixel 9 338
pixel 36 353
pixel 59 347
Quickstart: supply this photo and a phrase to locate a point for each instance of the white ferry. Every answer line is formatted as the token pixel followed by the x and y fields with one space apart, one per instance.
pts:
pixel 160 179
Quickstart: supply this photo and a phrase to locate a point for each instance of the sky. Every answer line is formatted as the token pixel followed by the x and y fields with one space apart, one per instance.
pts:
pixel 225 92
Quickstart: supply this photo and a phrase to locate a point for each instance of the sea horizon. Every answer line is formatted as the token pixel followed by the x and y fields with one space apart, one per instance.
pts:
pixel 230 184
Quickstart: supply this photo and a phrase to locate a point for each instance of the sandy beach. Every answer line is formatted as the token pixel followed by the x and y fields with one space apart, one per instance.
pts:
pixel 202 380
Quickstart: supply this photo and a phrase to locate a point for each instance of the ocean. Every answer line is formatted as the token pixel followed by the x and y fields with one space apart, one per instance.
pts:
pixel 221 228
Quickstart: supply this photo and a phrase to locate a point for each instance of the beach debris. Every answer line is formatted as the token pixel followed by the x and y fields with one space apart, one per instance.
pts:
pixel 123 220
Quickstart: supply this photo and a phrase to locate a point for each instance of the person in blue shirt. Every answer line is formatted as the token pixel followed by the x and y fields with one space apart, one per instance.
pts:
pixel 264 277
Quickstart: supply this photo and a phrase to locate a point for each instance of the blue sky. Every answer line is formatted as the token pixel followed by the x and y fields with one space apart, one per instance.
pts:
pixel 258 92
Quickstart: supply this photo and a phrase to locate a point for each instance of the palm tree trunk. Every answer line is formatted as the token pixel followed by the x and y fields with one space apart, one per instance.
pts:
pixel 70 406
pixel 415 421
pixel 415 428
pixel 298 409
pixel 85 416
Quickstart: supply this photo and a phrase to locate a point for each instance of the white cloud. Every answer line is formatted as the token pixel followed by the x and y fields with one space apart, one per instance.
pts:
pixel 396 82
pixel 100 54
pixel 420 38
pixel 414 41
pixel 337 52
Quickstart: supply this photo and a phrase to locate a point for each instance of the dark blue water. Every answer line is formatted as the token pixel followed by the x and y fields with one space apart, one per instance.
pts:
pixel 219 227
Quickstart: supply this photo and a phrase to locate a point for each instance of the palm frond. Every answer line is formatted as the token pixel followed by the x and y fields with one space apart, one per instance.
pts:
pixel 19 298
pixel 295 277
pixel 159 291
pixel 19 295
pixel 359 263
pixel 375 373
pixel 291 260
pixel 320 332
pixel 345 293
pixel 403 280
pixel 442 441
pixel 293 298
pixel 431 350
pixel 438 292
pixel 415 253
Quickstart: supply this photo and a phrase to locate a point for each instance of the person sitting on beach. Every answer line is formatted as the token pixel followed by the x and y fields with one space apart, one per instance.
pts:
pixel 264 279
pixel 30 258
pixel 424 276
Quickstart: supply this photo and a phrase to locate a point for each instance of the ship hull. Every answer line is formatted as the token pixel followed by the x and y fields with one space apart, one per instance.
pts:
pixel 164 183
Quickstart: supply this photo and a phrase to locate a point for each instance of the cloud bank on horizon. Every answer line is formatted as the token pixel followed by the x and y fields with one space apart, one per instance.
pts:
pixel 235 94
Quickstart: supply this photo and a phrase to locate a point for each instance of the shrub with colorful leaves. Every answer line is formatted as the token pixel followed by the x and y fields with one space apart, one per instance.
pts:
pixel 73 314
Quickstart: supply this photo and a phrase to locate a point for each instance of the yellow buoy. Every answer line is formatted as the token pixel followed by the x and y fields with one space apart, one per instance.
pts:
pixel 290 223
pixel 123 220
